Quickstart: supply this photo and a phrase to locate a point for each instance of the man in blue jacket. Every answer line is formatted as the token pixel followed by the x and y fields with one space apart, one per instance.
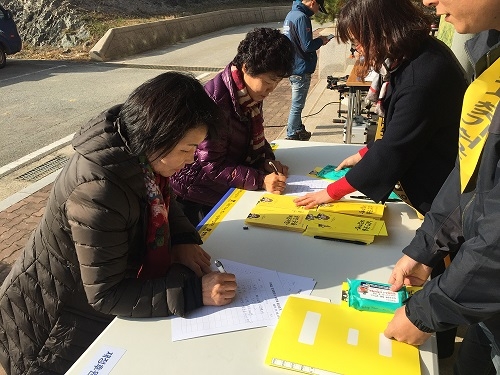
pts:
pixel 298 28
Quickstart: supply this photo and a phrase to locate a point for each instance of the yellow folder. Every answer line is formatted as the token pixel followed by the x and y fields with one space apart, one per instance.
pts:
pixel 316 337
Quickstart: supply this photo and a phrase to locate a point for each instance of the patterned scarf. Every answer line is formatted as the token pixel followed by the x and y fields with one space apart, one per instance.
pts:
pixel 378 89
pixel 157 259
pixel 253 111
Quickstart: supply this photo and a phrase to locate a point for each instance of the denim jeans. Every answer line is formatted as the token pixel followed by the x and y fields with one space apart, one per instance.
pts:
pixel 300 87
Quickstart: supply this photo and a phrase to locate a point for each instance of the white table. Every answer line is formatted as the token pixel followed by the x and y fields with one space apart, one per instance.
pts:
pixel 148 343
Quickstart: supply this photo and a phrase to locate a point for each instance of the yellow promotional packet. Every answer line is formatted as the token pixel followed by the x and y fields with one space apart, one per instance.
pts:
pixel 320 337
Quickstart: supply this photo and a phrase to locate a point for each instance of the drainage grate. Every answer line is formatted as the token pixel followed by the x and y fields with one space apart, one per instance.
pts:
pixel 44 169
pixel 166 67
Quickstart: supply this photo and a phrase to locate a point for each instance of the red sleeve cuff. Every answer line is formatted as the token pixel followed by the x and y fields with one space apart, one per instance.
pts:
pixel 363 151
pixel 339 188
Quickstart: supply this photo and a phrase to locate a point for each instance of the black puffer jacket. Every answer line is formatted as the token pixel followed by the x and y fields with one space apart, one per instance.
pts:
pixel 79 267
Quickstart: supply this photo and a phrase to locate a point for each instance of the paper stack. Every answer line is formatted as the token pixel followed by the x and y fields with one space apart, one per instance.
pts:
pixel 350 221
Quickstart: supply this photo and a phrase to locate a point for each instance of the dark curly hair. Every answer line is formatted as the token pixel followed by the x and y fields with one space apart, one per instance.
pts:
pixel 384 28
pixel 265 50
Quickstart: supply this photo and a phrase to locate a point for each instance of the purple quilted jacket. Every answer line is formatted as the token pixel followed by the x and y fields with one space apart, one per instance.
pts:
pixel 220 164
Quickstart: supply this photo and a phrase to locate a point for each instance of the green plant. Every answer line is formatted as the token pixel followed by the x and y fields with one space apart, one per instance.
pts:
pixel 333 7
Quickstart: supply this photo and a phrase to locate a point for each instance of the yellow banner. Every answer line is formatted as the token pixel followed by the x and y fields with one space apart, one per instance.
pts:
pixel 480 102
pixel 206 230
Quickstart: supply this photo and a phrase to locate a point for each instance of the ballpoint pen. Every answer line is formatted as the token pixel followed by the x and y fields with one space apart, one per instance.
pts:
pixel 369 199
pixel 274 167
pixel 219 266
pixel 340 240
pixel 360 197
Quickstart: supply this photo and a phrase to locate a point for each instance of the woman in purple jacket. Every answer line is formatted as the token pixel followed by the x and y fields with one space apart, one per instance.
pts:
pixel 240 156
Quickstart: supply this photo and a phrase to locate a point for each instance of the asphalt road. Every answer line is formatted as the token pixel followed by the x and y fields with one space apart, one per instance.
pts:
pixel 42 102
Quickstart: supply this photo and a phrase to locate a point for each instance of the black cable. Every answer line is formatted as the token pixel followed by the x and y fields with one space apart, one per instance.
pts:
pixel 312 114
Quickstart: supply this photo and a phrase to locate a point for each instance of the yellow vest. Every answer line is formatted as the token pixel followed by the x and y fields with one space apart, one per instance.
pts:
pixel 480 102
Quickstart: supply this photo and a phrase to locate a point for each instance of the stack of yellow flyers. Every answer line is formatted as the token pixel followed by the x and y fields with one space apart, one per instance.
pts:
pixel 352 228
pixel 357 222
pixel 274 202
pixel 277 220
pixel 368 209
pixel 278 212
pixel 320 337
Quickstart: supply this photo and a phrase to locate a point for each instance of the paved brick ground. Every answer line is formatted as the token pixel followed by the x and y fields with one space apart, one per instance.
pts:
pixel 16 224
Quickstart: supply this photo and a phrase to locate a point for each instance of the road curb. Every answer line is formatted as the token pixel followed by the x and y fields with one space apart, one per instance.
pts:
pixel 36 155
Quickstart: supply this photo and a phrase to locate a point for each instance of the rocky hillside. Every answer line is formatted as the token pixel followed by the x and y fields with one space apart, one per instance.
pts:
pixel 68 23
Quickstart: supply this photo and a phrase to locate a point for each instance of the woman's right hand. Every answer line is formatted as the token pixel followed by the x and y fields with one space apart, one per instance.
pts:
pixel 218 288
pixel 275 183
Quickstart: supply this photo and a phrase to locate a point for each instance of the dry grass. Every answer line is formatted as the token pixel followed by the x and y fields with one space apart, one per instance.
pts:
pixel 99 23
pixel 77 53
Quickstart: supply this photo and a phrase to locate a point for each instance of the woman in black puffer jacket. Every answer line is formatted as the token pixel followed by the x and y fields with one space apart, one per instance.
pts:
pixel 112 242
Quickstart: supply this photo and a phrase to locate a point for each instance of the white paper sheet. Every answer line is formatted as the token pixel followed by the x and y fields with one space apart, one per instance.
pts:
pixel 300 185
pixel 260 298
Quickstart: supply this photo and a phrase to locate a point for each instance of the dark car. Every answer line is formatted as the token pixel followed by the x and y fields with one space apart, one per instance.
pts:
pixel 10 41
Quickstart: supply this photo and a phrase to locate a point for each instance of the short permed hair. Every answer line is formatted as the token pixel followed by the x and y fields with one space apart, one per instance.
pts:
pixel 265 50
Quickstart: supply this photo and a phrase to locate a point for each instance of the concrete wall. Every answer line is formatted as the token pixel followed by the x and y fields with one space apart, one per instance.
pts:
pixel 130 40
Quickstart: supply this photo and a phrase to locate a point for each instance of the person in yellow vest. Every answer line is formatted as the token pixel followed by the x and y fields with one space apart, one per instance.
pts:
pixel 465 216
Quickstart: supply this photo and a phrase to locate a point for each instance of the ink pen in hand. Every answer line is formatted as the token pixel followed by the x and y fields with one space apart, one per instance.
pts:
pixel 274 167
pixel 219 266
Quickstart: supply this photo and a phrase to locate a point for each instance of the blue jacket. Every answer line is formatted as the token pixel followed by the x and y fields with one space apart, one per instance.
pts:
pixel 298 28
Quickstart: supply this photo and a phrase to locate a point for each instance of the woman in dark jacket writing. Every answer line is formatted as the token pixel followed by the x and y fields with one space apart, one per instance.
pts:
pixel 112 242
pixel 239 157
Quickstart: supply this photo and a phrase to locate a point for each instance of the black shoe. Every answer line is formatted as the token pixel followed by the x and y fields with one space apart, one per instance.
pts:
pixel 301 135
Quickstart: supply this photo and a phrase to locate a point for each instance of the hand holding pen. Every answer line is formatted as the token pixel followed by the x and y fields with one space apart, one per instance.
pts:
pixel 275 166
pixel 275 182
pixel 219 266
pixel 218 288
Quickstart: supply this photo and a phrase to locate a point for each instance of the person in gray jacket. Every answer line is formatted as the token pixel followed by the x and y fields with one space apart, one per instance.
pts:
pixel 465 215
pixel 112 241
